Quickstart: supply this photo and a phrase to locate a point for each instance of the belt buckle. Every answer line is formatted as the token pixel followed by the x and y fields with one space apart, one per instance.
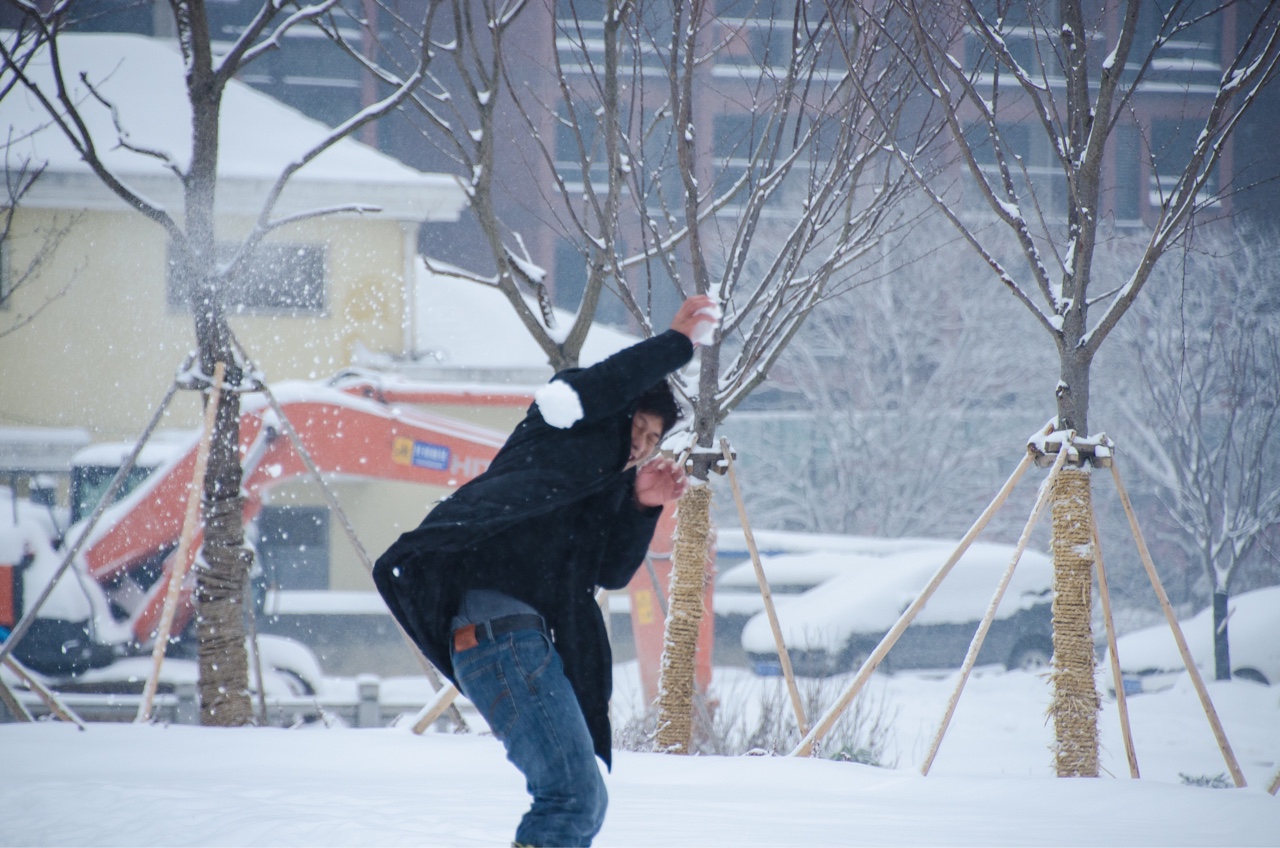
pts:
pixel 464 638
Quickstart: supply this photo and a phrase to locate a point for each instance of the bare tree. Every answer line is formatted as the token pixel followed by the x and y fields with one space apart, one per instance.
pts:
pixel 897 402
pixel 192 238
pixel 681 147
pixel 1034 98
pixel 1206 416
pixel 20 177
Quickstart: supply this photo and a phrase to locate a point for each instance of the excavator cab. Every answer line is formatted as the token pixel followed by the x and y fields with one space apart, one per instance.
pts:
pixel 93 468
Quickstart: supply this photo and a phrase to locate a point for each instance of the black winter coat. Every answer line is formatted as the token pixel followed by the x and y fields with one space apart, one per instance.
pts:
pixel 551 520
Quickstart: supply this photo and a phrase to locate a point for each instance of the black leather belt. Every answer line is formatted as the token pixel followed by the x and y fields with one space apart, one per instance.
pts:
pixel 470 635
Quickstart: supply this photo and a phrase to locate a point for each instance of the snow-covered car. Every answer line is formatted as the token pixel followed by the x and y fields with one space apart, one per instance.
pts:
pixel 1150 661
pixel 858 596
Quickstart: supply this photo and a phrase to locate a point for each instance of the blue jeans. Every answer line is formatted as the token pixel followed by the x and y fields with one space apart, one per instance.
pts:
pixel 517 683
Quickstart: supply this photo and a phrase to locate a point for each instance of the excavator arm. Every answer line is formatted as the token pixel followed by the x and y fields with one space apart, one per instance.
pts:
pixel 359 429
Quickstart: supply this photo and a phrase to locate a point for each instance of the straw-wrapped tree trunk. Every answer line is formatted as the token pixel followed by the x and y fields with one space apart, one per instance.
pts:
pixel 1037 103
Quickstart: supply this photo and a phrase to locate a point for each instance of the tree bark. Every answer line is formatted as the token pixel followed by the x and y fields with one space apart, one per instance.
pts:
pixel 1075 694
pixel 1221 644
pixel 677 683
pixel 223 569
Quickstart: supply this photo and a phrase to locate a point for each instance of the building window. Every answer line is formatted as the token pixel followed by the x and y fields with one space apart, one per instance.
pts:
pixel 734 138
pixel 1173 141
pixel 581 10
pixel 281 277
pixel 1128 152
pixel 570 278
pixel 1039 181
pixel 756 42
pixel 1192 50
pixel 1024 29
pixel 579 151
pixel 6 279
pixel 570 285
pixel 293 546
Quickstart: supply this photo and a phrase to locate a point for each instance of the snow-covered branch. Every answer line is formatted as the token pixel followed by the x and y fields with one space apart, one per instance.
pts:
pixel 63 109
pixel 248 48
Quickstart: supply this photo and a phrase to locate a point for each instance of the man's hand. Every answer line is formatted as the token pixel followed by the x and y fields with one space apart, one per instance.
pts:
pixel 697 318
pixel 659 482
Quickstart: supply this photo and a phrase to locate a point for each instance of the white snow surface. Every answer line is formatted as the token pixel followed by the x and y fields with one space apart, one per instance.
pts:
pixel 450 308
pixel 163 447
pixel 731 541
pixel 142 79
pixel 559 404
pixel 28 537
pixel 25 530
pixel 125 784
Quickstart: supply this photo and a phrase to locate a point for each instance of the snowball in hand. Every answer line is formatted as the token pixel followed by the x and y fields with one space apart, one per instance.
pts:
pixel 705 332
pixel 559 403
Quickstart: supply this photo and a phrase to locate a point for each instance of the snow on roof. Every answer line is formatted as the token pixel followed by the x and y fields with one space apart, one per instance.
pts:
pixel 163 446
pixel 40 449
pixel 467 325
pixel 142 78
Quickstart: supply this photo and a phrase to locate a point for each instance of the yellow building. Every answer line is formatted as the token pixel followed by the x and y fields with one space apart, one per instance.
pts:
pixel 108 330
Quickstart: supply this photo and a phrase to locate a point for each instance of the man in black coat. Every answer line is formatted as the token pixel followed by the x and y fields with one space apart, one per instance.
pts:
pixel 497 585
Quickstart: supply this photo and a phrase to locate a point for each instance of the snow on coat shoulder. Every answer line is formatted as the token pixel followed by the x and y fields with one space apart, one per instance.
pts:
pixel 559 403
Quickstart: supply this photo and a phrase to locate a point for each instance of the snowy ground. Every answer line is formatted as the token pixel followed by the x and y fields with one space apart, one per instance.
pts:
pixel 991 783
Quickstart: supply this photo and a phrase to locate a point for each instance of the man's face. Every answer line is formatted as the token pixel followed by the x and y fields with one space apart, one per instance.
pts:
pixel 646 432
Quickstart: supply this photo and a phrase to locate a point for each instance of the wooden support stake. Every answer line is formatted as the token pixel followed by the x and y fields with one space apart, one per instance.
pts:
pixel 783 657
pixel 11 701
pixel 435 708
pixel 180 564
pixel 891 638
pixel 1122 702
pixel 657 586
pixel 980 634
pixel 51 700
pixel 1196 679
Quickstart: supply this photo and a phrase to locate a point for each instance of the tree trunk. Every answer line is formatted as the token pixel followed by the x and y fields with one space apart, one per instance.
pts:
pixel 676 685
pixel 676 689
pixel 223 573
pixel 1073 381
pixel 1221 645
pixel 1075 695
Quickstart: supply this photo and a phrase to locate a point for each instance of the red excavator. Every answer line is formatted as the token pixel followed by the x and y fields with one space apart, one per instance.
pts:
pixel 109 605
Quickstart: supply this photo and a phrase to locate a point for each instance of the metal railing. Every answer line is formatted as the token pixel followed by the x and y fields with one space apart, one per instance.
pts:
pixel 371 706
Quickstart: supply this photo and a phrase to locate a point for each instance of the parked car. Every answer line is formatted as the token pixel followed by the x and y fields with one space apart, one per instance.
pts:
pixel 854 598
pixel 1150 661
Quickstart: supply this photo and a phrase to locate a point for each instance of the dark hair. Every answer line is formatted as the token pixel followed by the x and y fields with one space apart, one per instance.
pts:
pixel 659 400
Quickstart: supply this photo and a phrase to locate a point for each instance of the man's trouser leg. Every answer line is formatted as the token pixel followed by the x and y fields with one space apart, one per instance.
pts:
pixel 517 683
